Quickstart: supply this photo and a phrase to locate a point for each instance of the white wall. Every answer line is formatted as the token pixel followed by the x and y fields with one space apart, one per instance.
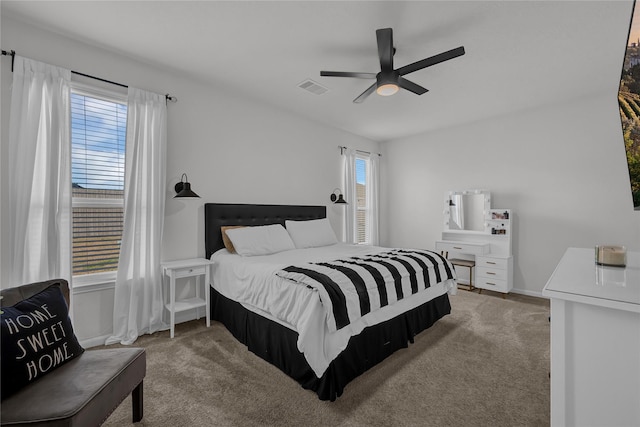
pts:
pixel 232 149
pixel 561 168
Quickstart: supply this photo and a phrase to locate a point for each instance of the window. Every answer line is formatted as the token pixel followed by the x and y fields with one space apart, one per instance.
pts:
pixel 362 229
pixel 98 135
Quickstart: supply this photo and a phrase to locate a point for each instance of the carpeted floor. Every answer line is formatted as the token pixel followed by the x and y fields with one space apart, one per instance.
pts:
pixel 486 364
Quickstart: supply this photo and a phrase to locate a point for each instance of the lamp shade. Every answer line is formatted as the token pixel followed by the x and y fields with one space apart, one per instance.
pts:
pixel 183 189
pixel 337 197
pixel 340 199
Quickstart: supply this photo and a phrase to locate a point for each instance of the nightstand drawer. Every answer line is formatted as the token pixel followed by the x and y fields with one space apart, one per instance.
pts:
pixel 190 271
pixel 493 263
pixel 491 273
pixel 491 284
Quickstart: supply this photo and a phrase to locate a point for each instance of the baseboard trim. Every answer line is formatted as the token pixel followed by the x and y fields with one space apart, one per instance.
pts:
pixel 537 294
pixel 94 342
pixel 181 317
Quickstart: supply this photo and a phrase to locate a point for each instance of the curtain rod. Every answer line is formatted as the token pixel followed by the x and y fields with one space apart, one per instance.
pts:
pixel 342 148
pixel 13 56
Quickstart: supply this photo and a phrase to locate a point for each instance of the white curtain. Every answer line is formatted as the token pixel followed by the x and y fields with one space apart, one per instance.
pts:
pixel 349 183
pixel 39 174
pixel 138 302
pixel 373 190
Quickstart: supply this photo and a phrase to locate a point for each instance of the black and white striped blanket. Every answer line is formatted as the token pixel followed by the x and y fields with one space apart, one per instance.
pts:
pixel 352 287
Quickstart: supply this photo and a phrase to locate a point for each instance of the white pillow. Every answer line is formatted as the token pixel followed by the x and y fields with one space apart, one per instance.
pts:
pixel 312 233
pixel 260 240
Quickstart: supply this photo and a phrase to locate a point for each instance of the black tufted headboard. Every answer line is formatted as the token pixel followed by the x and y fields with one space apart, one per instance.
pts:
pixel 218 214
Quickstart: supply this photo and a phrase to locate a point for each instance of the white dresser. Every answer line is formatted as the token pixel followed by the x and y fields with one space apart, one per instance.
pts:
pixel 595 341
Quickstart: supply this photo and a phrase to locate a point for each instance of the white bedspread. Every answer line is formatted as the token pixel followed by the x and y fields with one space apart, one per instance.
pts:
pixel 252 281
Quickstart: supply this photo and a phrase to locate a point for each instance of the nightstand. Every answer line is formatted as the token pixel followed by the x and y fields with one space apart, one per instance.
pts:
pixel 184 268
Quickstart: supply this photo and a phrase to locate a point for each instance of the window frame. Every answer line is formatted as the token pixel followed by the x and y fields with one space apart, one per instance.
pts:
pixel 366 210
pixel 84 89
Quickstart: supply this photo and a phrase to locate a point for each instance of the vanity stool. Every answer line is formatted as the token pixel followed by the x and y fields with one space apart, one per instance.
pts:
pixel 470 264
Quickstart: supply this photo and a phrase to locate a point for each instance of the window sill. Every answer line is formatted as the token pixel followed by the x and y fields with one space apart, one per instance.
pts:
pixel 94 282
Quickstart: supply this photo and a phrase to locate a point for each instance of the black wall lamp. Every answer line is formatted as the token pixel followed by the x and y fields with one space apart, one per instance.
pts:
pixel 183 189
pixel 337 197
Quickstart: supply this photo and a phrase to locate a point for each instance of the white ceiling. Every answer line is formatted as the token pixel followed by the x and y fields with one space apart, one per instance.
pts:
pixel 519 54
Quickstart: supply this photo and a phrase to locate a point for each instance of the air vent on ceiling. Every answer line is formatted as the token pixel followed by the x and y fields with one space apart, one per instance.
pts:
pixel 313 87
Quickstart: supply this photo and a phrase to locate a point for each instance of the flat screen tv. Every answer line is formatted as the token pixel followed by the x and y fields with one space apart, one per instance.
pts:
pixel 629 100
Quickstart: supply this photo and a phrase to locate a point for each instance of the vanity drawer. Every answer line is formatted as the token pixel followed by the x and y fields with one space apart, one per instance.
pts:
pixel 493 263
pixel 462 247
pixel 491 273
pixel 492 284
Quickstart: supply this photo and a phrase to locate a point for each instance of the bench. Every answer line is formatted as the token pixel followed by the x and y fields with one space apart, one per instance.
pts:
pixel 83 391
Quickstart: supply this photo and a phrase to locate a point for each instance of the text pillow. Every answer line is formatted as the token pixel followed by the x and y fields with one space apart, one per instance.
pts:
pixel 37 337
pixel 312 233
pixel 260 240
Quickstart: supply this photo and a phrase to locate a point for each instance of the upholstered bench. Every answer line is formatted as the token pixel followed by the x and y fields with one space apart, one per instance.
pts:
pixel 83 391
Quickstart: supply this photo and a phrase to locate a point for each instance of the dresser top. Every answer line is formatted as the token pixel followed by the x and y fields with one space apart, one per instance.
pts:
pixel 578 278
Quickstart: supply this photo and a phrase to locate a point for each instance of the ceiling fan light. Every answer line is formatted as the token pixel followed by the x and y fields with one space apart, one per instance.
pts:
pixel 387 89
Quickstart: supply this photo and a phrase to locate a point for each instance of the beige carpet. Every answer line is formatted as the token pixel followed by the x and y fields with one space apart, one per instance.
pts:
pixel 486 364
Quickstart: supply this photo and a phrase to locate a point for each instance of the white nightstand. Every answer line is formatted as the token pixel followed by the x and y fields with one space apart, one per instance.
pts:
pixel 187 268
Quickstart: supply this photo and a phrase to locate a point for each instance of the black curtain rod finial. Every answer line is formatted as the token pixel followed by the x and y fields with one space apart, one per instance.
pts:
pixel 13 56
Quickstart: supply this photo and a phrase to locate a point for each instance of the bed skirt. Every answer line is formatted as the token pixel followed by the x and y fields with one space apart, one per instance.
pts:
pixel 277 344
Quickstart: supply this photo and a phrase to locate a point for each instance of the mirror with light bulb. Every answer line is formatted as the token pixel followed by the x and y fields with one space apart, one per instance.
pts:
pixel 466 210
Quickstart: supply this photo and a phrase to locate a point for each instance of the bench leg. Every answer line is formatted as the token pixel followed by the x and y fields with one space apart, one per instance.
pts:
pixel 137 403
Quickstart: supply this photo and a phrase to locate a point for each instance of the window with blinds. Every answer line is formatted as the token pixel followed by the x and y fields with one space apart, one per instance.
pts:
pixel 362 202
pixel 98 135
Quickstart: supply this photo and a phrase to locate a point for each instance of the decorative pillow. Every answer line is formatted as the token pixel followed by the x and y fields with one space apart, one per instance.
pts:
pixel 260 240
pixel 225 238
pixel 312 233
pixel 37 337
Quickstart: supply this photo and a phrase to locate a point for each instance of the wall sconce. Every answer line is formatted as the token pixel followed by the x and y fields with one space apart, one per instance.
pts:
pixel 183 189
pixel 337 197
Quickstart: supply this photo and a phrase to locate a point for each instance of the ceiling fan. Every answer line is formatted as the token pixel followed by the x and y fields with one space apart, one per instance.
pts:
pixel 388 80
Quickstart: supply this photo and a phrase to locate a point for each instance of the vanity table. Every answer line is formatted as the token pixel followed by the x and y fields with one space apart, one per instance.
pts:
pixel 480 235
pixel 595 341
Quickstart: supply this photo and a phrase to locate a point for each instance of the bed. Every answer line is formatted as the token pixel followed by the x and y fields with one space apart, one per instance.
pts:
pixel 321 356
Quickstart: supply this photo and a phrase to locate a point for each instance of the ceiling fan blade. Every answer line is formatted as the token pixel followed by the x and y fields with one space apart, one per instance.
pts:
pixel 433 60
pixel 347 74
pixel 411 86
pixel 385 48
pixel 365 94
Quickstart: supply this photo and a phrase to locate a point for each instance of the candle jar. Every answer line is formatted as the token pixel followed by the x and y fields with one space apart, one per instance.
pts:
pixel 609 255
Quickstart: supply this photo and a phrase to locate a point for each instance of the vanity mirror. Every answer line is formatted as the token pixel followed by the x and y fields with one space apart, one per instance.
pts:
pixel 466 210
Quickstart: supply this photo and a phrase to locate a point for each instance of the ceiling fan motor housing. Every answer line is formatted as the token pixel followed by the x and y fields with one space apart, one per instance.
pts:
pixel 388 77
pixel 387 83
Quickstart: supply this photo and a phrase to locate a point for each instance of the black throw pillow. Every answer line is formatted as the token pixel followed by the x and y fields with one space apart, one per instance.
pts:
pixel 37 337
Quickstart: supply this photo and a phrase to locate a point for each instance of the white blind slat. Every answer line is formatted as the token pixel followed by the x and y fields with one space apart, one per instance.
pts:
pixel 98 135
pixel 361 200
